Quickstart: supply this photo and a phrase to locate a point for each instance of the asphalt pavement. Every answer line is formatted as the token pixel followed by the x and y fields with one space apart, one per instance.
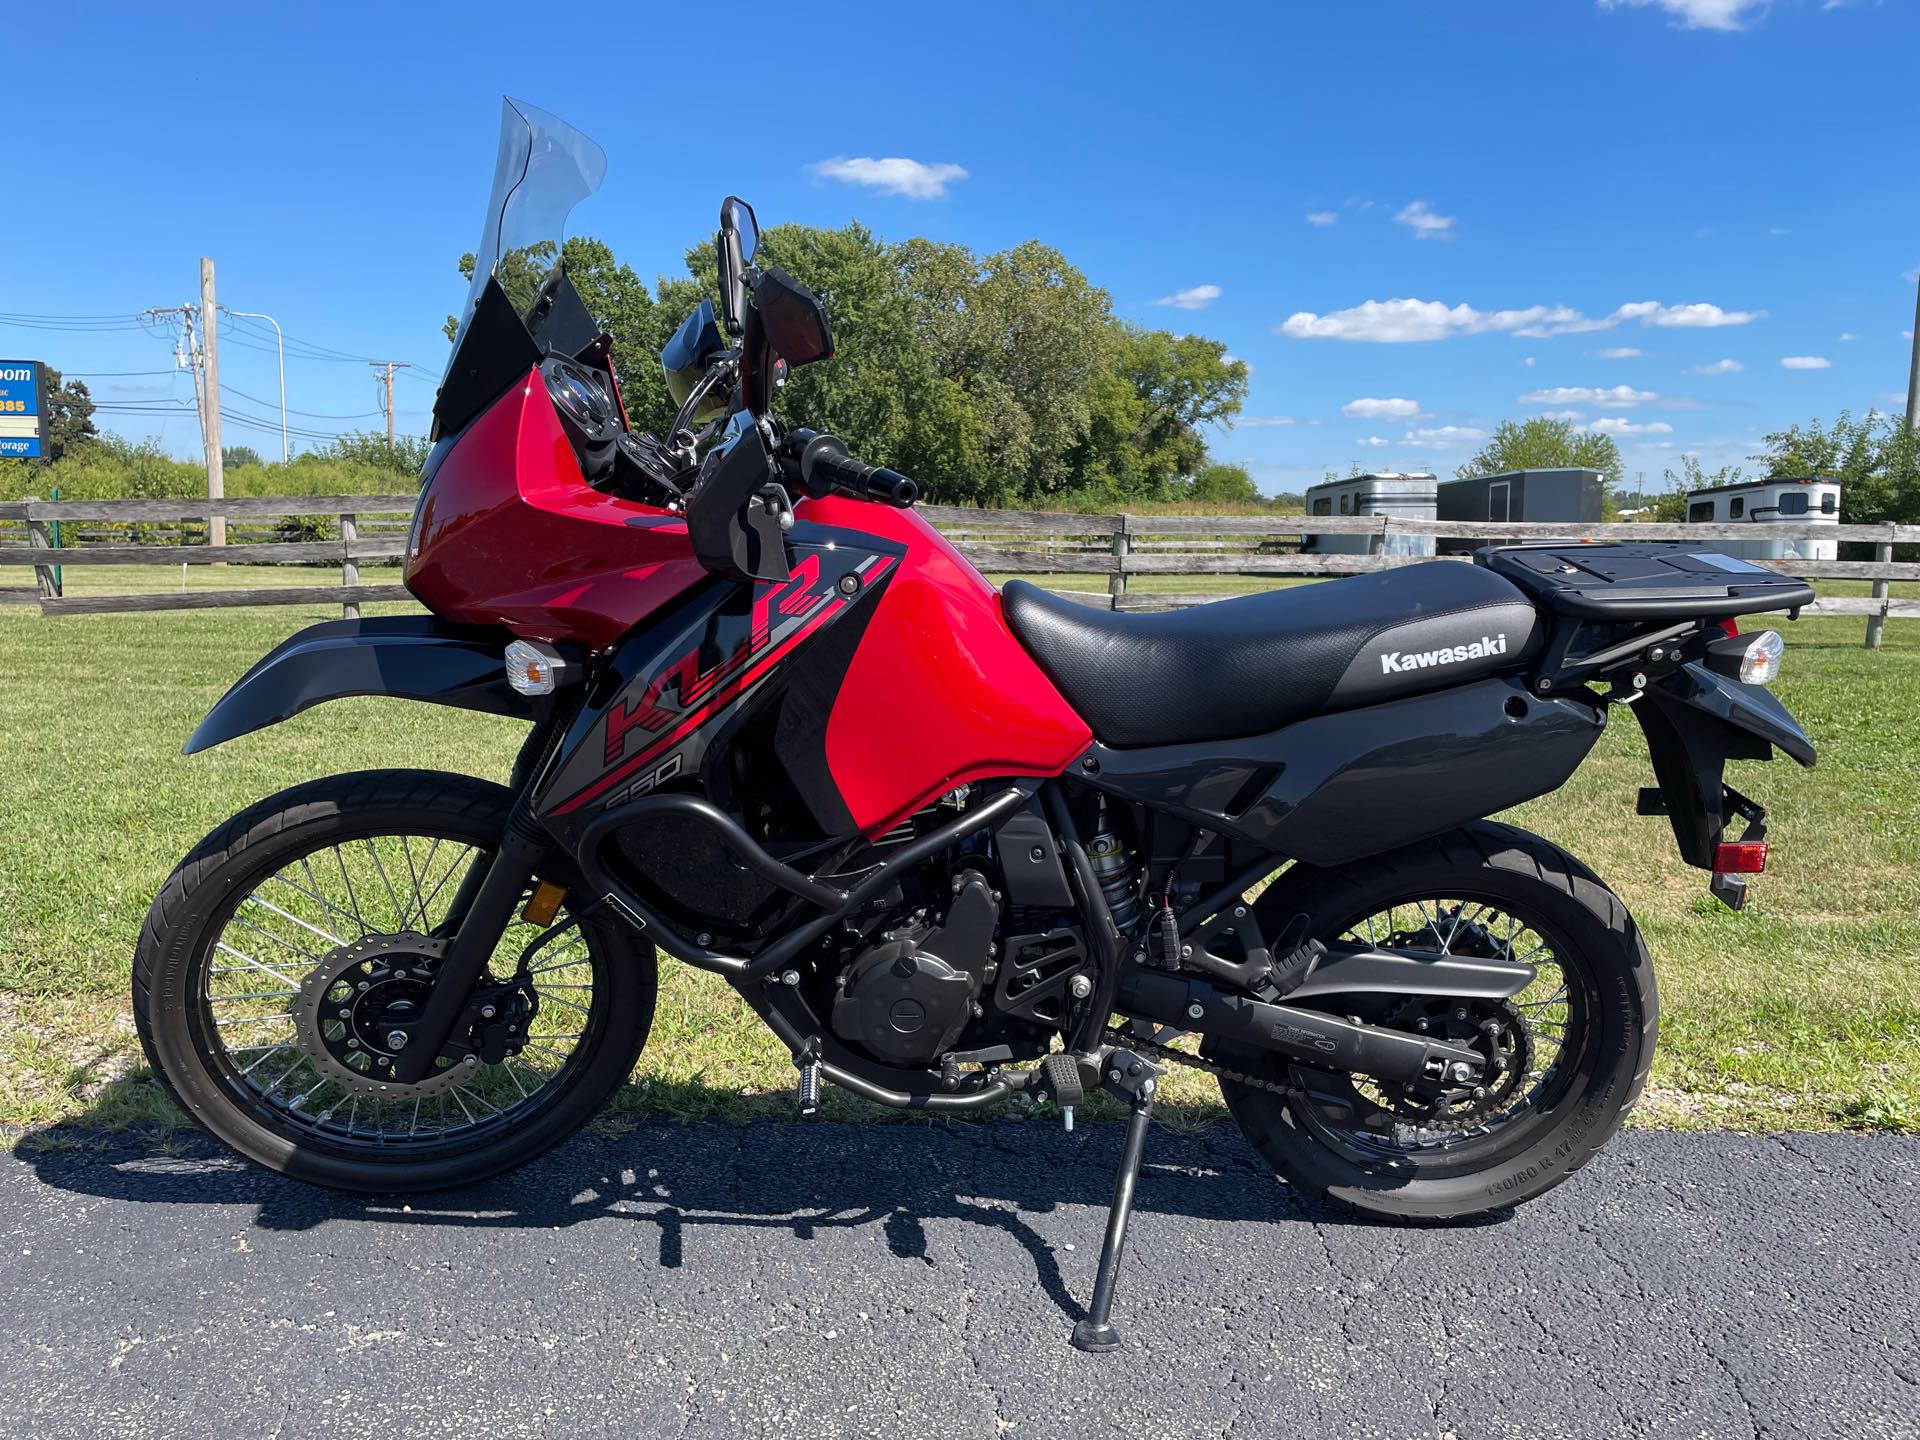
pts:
pixel 921 1280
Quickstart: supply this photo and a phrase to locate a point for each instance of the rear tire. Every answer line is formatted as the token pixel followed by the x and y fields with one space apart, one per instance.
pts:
pixel 192 923
pixel 1602 957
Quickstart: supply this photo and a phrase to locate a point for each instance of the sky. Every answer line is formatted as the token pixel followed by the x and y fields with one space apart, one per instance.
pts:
pixel 1682 222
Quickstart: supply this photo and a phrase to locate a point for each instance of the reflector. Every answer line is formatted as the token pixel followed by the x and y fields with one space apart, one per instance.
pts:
pixel 1740 857
pixel 1761 663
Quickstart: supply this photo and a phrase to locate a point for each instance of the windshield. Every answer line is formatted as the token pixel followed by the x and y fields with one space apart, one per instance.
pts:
pixel 545 168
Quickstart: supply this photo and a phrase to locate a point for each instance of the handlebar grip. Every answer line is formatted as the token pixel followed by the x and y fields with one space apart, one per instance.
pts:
pixel 824 467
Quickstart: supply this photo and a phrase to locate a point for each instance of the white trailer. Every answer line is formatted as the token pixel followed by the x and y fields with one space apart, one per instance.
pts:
pixel 1801 500
pixel 1406 496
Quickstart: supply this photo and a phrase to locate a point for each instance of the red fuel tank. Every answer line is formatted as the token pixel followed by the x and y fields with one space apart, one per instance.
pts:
pixel 939 692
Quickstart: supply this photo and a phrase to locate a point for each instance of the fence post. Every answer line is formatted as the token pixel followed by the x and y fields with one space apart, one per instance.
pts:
pixel 1877 620
pixel 1377 542
pixel 46 577
pixel 349 567
pixel 1122 547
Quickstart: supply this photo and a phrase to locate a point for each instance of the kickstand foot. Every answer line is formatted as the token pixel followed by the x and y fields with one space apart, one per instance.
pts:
pixel 1137 1084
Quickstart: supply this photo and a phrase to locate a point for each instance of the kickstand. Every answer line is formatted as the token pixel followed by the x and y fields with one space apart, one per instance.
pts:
pixel 1134 1080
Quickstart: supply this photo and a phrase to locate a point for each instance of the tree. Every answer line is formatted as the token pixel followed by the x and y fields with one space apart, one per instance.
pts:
pixel 69 415
pixel 996 379
pixel 232 457
pixel 1224 485
pixel 1876 460
pixel 1543 444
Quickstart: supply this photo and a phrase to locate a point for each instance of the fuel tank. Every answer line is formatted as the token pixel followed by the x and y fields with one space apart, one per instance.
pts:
pixel 507 532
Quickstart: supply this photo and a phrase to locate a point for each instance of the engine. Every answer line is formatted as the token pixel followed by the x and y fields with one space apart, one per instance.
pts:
pixel 997 977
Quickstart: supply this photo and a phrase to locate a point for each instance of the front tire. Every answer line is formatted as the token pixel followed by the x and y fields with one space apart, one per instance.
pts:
pixel 1487 880
pixel 231 988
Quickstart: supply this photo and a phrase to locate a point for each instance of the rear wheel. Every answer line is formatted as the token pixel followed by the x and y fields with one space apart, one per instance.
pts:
pixel 283 958
pixel 1566 1058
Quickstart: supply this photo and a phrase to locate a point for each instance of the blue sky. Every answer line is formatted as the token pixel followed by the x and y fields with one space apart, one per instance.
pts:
pixel 1684 221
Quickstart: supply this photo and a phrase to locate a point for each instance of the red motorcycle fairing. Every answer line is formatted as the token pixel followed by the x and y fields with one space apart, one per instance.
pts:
pixel 509 533
pixel 939 692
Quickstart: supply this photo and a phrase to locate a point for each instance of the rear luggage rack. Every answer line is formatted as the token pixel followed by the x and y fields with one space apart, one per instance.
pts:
pixel 1634 581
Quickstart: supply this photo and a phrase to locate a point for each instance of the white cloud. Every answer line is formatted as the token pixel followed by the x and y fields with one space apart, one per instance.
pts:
pixel 1564 415
pixel 1442 437
pixel 1194 297
pixel 1687 317
pixel 1846 335
pixel 893 175
pixel 1911 276
pixel 1403 321
pixel 1322 217
pixel 1779 230
pixel 1260 422
pixel 1805 362
pixel 1528 362
pixel 1718 367
pixel 1419 218
pixel 1699 14
pixel 1622 426
pixel 1374 442
pixel 1380 409
pixel 1622 352
pixel 1612 397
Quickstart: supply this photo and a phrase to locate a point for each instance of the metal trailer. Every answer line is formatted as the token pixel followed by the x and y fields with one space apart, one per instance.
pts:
pixel 1535 496
pixel 1407 497
pixel 1798 500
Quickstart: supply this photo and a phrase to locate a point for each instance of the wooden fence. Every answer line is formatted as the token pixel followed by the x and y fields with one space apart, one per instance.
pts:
pixel 1115 548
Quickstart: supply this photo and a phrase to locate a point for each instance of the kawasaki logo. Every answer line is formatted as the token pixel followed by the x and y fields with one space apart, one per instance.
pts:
pixel 1393 662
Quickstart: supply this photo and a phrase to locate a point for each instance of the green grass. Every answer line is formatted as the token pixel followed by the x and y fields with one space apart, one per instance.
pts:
pixel 1802 1012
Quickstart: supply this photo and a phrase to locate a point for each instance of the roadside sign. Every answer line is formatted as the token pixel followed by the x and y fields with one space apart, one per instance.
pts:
pixel 23 409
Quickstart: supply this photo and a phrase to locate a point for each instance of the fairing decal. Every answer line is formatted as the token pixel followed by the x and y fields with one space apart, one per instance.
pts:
pixel 677 691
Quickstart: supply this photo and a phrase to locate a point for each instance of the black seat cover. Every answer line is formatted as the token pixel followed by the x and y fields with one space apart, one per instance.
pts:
pixel 1257 662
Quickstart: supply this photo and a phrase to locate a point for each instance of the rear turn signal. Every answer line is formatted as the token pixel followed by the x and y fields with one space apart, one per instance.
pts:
pixel 533 668
pixel 1740 857
pixel 1760 665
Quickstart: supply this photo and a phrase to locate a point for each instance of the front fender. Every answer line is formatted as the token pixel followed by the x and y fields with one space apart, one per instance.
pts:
pixel 412 657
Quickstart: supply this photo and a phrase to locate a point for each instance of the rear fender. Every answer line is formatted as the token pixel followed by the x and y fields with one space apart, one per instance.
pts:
pixel 411 657
pixel 1695 721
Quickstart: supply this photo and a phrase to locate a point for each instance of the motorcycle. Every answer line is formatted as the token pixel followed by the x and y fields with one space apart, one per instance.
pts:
pixel 952 845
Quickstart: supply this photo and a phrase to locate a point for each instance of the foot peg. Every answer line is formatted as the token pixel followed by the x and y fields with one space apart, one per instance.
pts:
pixel 1294 954
pixel 1060 1081
pixel 809 1092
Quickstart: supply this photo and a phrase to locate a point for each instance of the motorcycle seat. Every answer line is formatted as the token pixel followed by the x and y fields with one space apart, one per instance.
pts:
pixel 1254 663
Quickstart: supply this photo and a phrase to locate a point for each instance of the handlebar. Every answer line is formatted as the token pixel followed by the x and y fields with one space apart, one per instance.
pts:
pixel 820 465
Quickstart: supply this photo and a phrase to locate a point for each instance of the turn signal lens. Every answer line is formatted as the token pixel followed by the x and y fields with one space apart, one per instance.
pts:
pixel 1760 665
pixel 1740 857
pixel 533 668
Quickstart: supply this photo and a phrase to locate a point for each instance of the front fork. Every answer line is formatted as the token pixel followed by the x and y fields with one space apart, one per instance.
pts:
pixel 483 907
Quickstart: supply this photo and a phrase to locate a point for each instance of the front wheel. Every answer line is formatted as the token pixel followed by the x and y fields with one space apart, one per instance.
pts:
pixel 283 957
pixel 1568 1056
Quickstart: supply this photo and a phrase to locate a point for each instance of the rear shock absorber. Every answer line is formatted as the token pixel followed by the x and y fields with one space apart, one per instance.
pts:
pixel 1118 876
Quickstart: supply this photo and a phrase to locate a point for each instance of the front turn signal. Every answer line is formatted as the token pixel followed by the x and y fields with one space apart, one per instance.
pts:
pixel 533 668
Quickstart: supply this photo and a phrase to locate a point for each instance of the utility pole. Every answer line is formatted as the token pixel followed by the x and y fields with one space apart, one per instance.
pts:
pixel 1913 369
pixel 210 403
pixel 387 404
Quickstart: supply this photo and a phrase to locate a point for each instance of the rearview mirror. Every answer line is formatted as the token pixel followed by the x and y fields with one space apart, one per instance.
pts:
pixel 793 318
pixel 738 242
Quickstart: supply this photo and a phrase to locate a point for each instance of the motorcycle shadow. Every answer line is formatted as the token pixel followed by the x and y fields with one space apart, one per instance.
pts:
pixel 739 1179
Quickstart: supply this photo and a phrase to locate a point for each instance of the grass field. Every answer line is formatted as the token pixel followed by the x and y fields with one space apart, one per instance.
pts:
pixel 1803 1011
